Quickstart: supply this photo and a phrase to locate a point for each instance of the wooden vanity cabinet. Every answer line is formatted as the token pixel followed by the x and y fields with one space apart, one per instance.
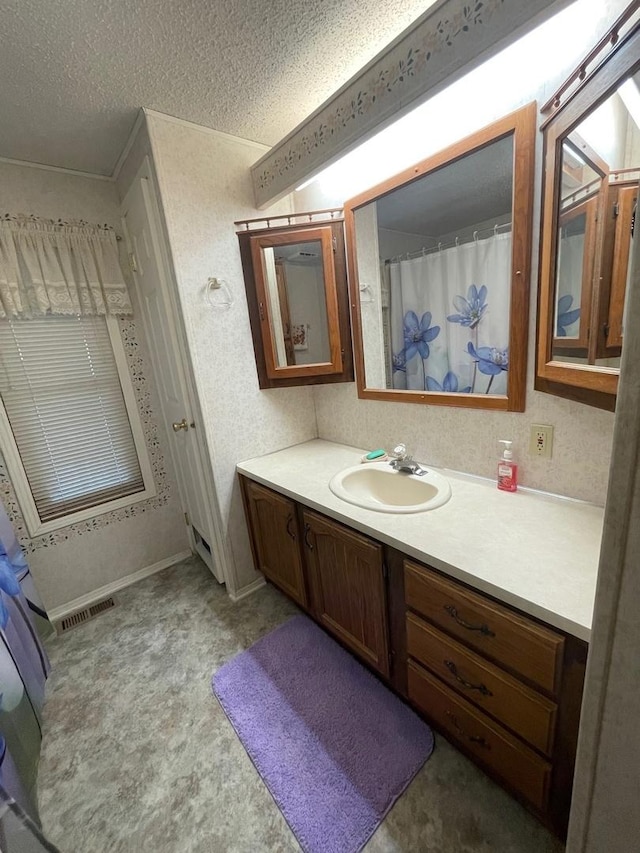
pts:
pixel 275 539
pixel 348 587
pixel 339 579
pixel 505 688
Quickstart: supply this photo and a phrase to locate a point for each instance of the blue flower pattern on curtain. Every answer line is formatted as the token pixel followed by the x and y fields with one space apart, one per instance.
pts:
pixel 565 316
pixel 418 335
pixel 482 355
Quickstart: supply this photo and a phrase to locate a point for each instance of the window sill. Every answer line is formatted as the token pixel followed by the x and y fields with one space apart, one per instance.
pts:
pixel 39 528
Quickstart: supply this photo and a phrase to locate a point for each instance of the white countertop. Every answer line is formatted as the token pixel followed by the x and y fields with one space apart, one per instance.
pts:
pixel 535 551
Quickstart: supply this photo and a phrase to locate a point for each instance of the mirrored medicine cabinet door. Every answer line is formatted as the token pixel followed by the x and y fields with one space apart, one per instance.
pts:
pixel 439 261
pixel 295 278
pixel 592 169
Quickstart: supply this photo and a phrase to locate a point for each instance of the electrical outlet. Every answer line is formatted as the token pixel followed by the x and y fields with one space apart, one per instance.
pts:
pixel 541 440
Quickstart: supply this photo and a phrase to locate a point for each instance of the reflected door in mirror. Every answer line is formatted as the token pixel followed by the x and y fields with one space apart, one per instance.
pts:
pixel 295 280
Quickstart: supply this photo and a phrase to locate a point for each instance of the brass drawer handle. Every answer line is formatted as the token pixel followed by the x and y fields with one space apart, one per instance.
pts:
pixel 453 669
pixel 289 530
pixel 483 629
pixel 471 738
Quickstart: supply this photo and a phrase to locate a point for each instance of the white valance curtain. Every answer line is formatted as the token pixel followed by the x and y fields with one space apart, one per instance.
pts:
pixel 51 267
pixel 450 318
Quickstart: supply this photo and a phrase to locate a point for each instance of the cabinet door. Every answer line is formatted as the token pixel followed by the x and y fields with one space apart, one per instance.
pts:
pixel 276 539
pixel 348 587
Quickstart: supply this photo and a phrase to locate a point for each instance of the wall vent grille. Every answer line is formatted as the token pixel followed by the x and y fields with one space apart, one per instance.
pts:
pixel 82 616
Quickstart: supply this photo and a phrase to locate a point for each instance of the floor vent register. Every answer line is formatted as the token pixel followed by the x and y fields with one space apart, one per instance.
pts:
pixel 84 615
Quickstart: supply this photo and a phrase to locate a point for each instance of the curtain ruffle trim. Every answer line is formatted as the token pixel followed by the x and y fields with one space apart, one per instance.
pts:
pixel 57 267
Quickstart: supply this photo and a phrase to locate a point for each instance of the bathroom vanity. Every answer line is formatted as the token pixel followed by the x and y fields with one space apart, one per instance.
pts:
pixel 477 612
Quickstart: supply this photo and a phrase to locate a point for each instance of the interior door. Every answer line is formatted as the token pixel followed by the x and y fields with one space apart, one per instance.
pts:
pixel 158 308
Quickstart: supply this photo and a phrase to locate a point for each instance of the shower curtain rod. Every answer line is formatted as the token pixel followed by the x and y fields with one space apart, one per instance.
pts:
pixel 487 232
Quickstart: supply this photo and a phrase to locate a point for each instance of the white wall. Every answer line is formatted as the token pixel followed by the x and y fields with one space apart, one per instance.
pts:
pixel 205 185
pixel 76 560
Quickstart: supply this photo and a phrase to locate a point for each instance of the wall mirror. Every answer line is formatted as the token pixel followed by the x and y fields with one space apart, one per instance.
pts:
pixel 592 168
pixel 295 278
pixel 439 272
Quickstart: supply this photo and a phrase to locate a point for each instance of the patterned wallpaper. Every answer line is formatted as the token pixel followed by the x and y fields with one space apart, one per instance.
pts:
pixel 77 560
pixel 139 373
pixel 205 186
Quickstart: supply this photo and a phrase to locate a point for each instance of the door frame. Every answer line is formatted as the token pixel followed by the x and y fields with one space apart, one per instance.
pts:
pixel 168 283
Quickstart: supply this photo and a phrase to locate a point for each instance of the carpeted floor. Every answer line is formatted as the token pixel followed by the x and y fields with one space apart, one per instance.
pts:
pixel 138 757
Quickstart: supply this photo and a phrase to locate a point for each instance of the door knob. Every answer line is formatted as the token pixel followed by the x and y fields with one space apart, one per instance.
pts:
pixel 180 425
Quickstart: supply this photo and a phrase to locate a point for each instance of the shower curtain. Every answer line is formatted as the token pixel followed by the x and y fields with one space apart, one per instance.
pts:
pixel 570 263
pixel 449 318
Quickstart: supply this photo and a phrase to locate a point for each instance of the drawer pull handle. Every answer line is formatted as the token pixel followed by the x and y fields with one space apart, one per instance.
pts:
pixel 471 738
pixel 289 530
pixel 483 629
pixel 307 530
pixel 453 669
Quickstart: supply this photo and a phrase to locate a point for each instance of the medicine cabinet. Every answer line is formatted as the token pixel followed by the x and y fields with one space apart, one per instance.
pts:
pixel 592 167
pixel 295 278
pixel 439 261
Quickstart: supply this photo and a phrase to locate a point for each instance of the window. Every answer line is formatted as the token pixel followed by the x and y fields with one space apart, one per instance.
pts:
pixel 69 425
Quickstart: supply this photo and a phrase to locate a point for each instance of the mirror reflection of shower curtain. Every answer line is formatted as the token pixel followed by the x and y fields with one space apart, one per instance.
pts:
pixel 571 258
pixel 439 283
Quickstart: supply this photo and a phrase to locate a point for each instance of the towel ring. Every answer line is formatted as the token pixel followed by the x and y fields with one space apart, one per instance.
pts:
pixel 214 285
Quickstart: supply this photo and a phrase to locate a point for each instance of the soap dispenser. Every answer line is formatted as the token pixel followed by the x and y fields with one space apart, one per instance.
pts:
pixel 507 469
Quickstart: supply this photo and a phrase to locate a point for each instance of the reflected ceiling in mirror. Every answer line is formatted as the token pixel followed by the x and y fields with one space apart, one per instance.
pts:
pixel 439 269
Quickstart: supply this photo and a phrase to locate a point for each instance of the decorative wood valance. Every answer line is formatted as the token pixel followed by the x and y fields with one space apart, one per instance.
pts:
pixel 445 41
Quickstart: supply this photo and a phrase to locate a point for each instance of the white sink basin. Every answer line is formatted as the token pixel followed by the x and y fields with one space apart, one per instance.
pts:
pixel 377 486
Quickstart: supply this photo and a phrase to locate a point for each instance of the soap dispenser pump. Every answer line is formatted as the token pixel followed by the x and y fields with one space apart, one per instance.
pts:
pixel 507 469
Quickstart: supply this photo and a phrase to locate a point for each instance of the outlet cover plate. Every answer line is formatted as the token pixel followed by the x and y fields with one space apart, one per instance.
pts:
pixel 541 440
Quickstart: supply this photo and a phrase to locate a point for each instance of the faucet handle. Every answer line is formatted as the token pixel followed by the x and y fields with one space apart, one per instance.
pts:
pixel 399 452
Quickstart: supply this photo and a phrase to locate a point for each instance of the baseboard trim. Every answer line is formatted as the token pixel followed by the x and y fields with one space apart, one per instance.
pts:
pixel 104 591
pixel 247 590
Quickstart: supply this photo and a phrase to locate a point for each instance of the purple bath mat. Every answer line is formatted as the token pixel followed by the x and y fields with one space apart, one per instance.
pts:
pixel 333 745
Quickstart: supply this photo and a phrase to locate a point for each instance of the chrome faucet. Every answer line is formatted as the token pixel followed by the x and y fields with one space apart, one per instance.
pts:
pixel 402 461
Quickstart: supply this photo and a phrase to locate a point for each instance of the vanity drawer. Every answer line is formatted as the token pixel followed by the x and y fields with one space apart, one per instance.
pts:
pixel 509 639
pixel 525 712
pixel 494 747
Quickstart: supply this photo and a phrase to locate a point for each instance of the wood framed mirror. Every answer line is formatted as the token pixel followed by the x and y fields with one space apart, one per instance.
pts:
pixel 295 279
pixel 439 267
pixel 590 196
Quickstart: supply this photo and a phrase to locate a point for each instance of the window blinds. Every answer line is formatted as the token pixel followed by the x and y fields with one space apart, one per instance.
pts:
pixel 61 391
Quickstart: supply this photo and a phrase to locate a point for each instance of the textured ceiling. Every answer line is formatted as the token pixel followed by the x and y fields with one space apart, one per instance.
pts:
pixel 460 195
pixel 74 73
